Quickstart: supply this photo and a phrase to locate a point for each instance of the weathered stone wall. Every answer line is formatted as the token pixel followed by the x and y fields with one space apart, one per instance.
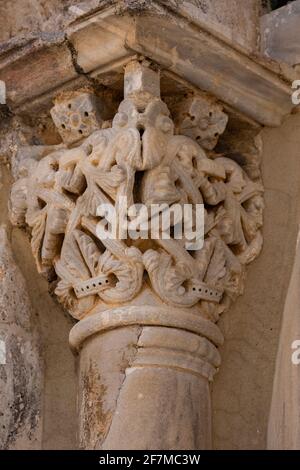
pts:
pixel 240 25
pixel 21 363
pixel 23 17
pixel 37 382
pixel 59 394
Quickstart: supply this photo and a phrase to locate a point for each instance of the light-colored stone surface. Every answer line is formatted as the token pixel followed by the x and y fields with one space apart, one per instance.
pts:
pixel 242 389
pixel 77 115
pixel 137 390
pixel 201 119
pixel 59 195
pixel 95 47
pixel 21 368
pixel 26 16
pixel 211 65
pixel 226 18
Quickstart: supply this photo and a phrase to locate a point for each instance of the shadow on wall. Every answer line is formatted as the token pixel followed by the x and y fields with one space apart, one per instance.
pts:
pixel 275 4
pixel 270 5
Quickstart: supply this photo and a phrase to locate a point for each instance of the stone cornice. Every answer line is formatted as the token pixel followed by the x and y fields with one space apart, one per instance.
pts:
pixel 98 44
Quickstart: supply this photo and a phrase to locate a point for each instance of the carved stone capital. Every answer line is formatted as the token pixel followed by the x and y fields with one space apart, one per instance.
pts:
pixel 157 290
pixel 59 191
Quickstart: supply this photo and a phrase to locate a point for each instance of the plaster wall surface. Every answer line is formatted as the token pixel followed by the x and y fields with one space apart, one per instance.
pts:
pixel 243 387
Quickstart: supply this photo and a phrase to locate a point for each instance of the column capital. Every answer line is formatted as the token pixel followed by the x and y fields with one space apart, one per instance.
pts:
pixel 138 157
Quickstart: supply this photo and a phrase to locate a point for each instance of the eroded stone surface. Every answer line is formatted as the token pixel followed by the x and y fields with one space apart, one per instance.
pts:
pixel 78 114
pixel 21 361
pixel 201 119
pixel 128 402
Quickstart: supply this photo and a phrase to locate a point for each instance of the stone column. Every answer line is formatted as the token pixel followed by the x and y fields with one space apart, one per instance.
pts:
pixel 148 306
pixel 144 378
pixel 284 419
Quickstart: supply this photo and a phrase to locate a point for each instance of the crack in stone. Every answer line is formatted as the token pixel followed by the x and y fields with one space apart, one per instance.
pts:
pixel 79 70
pixel 136 347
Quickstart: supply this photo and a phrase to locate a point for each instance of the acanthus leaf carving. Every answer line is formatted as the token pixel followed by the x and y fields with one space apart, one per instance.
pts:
pixel 141 158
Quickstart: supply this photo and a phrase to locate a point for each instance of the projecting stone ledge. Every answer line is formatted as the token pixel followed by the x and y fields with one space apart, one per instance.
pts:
pixel 98 44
